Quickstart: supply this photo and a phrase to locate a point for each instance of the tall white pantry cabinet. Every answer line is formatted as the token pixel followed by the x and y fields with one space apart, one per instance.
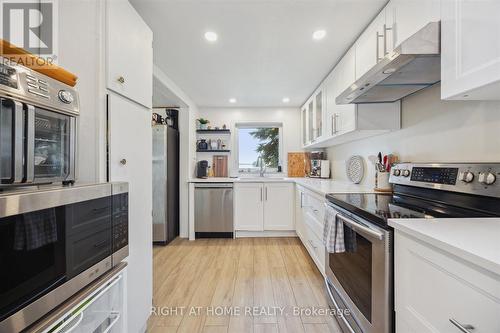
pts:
pixel 129 81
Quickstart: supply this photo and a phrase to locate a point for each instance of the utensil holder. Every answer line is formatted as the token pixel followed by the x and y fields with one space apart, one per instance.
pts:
pixel 382 182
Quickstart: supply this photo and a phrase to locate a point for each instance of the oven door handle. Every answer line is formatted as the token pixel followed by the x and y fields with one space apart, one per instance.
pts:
pixel 30 144
pixel 360 227
pixel 337 308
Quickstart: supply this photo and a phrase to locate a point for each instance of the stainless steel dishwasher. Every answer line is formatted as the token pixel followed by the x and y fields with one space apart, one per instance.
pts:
pixel 213 210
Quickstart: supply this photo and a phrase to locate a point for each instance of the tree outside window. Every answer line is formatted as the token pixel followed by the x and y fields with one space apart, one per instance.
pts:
pixel 258 142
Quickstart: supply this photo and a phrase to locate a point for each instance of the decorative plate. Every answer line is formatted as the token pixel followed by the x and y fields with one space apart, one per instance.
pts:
pixel 355 168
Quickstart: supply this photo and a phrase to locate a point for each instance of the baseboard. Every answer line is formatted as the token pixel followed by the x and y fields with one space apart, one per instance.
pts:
pixel 276 233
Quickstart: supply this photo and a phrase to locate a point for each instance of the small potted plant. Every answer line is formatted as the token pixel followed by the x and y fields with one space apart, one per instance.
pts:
pixel 202 123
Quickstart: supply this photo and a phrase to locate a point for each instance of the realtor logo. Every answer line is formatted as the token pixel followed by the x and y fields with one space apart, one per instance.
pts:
pixel 30 25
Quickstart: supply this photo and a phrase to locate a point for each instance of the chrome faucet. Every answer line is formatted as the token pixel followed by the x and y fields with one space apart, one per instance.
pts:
pixel 262 167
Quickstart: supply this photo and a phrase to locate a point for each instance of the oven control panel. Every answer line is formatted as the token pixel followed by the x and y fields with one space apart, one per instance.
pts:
pixel 473 178
pixel 34 88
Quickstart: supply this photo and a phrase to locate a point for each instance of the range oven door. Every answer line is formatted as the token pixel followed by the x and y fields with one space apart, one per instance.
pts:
pixel 54 146
pixel 360 279
pixel 32 257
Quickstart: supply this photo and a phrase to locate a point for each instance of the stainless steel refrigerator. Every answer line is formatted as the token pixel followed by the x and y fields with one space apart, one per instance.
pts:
pixel 165 184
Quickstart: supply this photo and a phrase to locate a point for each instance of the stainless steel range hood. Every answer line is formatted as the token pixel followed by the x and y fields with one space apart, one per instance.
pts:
pixel 412 66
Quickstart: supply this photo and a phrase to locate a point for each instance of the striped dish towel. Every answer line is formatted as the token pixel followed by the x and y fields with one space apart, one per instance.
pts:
pixel 333 232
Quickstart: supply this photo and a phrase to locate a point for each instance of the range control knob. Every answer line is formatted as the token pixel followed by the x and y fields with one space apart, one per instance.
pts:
pixel 406 173
pixel 396 172
pixel 487 178
pixel 65 96
pixel 466 176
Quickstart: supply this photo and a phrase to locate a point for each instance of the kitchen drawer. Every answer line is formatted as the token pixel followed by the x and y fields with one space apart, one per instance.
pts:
pixel 315 247
pixel 102 311
pixel 432 287
pixel 312 222
pixel 314 204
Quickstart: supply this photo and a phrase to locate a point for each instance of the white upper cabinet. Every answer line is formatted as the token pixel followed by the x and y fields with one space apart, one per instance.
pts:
pixel 370 46
pixel 470 50
pixel 340 117
pixel 403 18
pixel 129 53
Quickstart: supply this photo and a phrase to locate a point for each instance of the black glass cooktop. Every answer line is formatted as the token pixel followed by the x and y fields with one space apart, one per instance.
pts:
pixel 378 208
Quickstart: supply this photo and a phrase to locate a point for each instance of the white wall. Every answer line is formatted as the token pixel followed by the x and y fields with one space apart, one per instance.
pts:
pixel 432 131
pixel 289 117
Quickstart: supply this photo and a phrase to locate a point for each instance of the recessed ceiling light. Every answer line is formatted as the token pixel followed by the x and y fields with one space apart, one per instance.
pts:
pixel 286 100
pixel 211 36
pixel 319 34
pixel 232 100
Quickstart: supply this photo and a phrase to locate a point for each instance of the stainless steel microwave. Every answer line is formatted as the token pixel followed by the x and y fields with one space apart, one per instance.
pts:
pixel 38 120
pixel 54 241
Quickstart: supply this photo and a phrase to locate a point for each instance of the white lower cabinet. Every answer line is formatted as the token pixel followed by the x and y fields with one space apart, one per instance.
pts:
pixel 263 206
pixel 130 151
pixel 248 206
pixel 434 288
pixel 310 211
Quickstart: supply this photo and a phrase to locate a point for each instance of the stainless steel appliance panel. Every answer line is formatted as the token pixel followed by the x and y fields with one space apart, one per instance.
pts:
pixel 165 184
pixel 56 240
pixel 213 205
pixel 361 277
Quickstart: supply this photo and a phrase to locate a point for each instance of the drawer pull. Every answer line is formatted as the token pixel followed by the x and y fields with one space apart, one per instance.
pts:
pixel 465 328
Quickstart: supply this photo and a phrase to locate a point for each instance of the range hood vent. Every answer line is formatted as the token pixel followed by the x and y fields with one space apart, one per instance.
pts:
pixel 412 66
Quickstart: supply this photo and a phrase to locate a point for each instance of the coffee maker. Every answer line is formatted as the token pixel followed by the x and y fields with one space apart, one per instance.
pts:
pixel 320 166
pixel 202 169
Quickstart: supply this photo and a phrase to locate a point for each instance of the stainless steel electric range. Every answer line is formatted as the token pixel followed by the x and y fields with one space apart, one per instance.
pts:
pixel 360 279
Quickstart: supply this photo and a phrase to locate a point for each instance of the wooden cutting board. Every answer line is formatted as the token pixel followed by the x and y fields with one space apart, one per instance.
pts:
pixel 297 164
pixel 220 166
pixel 22 57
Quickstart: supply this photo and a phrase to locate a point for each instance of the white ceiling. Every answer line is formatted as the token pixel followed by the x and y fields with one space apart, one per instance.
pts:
pixel 265 49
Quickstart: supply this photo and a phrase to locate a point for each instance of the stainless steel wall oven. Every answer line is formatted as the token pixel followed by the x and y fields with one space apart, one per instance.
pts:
pixel 53 242
pixel 38 120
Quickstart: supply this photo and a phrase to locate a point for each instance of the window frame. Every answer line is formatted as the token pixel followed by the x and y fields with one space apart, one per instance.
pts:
pixel 236 146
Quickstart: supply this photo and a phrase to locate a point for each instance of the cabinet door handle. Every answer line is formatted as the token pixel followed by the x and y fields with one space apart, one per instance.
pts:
pixel 121 79
pixel 123 161
pixel 378 36
pixel 261 194
pixel 265 193
pixel 301 200
pixel 386 29
pixel 334 123
pixel 465 328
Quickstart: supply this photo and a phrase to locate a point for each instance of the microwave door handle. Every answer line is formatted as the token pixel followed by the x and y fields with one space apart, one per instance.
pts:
pixel 30 144
pixel 360 227
pixel 18 126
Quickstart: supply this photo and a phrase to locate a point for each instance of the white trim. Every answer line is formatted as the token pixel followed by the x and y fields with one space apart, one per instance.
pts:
pixel 266 233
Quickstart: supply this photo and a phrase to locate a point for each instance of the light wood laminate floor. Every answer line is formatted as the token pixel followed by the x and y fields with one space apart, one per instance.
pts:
pixel 209 280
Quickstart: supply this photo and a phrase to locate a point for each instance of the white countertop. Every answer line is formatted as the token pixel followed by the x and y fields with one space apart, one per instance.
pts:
pixel 476 240
pixel 320 186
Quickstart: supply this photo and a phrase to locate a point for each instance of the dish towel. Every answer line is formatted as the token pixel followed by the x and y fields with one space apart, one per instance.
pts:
pixel 36 229
pixel 333 232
